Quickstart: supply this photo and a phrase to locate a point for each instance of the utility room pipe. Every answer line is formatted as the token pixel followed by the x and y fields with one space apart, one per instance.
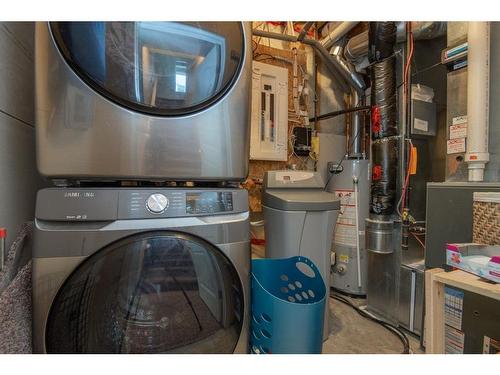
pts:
pixel 478 98
pixel 335 64
pixel 337 33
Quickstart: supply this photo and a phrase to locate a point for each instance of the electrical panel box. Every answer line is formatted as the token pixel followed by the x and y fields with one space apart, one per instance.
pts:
pixel 269 131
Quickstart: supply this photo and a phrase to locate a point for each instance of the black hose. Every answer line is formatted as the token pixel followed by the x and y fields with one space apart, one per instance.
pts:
pixel 339 113
pixel 390 327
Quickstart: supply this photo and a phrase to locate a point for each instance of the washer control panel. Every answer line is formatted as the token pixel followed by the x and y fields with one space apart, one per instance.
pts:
pixel 104 204
pixel 134 204
pixel 208 202
pixel 157 203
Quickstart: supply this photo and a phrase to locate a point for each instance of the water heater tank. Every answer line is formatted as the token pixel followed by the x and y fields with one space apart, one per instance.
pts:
pixel 352 187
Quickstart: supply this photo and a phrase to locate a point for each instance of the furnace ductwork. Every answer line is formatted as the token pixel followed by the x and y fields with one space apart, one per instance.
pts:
pixel 383 118
pixel 357 47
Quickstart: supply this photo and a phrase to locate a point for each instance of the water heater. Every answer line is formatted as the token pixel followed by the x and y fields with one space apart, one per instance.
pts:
pixel 349 260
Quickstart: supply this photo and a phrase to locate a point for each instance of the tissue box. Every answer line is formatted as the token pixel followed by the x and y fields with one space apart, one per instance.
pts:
pixel 481 260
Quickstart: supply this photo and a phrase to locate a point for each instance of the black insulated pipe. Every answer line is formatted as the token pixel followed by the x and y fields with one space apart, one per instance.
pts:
pixel 382 39
pixel 384 175
pixel 383 91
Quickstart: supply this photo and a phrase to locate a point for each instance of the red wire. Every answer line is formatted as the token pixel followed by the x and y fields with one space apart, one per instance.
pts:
pixel 419 240
pixel 409 58
pixel 405 85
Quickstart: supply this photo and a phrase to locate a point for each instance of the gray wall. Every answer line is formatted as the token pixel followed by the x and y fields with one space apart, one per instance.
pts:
pixel 492 172
pixel 18 177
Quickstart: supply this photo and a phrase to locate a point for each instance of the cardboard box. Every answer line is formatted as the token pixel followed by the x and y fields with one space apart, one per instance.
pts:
pixel 480 260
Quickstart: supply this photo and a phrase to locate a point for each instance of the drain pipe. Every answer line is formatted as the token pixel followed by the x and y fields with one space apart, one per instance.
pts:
pixel 478 74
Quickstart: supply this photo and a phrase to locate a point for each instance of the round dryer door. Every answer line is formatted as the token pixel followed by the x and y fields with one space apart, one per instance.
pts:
pixel 159 68
pixel 155 292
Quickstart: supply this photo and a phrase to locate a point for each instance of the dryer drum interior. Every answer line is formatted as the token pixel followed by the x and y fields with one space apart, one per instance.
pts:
pixel 154 292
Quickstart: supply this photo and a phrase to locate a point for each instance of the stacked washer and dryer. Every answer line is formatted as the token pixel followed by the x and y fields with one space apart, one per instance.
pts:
pixel 127 258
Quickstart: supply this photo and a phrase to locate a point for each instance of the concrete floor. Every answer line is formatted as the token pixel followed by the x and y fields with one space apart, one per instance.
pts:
pixel 350 333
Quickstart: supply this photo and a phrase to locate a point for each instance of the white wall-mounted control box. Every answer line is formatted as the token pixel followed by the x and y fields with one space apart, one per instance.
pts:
pixel 269 131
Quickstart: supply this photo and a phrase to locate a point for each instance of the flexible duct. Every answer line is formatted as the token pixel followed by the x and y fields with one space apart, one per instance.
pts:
pixel 381 40
pixel 385 142
pixel 357 47
pixel 478 72
pixel 384 175
pixel 384 111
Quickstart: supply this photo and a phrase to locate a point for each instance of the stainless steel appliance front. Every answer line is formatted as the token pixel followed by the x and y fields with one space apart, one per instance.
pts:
pixel 143 100
pixel 112 276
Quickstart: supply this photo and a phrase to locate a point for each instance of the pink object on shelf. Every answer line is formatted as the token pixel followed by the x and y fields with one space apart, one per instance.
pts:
pixel 495 259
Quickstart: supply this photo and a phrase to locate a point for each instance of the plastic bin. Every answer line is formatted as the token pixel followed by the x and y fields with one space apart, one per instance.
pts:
pixel 288 301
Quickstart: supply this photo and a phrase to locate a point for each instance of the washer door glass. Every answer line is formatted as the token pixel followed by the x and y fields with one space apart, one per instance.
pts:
pixel 155 292
pixel 161 68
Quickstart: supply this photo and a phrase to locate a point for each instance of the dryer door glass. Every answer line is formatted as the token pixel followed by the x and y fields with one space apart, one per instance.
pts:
pixel 161 68
pixel 155 292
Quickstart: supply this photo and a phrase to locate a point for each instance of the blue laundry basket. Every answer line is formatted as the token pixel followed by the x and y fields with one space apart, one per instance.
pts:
pixel 288 302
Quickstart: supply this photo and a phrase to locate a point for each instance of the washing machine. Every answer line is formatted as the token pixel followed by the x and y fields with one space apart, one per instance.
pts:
pixel 143 100
pixel 125 270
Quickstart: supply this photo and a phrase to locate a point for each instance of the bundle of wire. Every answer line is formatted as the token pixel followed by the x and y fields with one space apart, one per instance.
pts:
pixel 392 328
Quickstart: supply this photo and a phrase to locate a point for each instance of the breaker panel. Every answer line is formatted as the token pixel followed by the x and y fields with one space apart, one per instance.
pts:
pixel 269 128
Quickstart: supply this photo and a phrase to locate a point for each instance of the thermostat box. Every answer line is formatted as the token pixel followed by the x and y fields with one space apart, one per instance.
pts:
pixel 423 119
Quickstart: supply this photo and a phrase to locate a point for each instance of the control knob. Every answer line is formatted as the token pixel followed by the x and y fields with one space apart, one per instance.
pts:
pixel 157 203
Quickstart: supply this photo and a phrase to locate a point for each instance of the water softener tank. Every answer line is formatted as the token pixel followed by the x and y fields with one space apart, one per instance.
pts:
pixel 299 220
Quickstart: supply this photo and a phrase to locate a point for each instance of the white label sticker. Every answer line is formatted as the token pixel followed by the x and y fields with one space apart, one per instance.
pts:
pixel 455 146
pixel 459 120
pixel 345 230
pixel 421 125
pixel 458 131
